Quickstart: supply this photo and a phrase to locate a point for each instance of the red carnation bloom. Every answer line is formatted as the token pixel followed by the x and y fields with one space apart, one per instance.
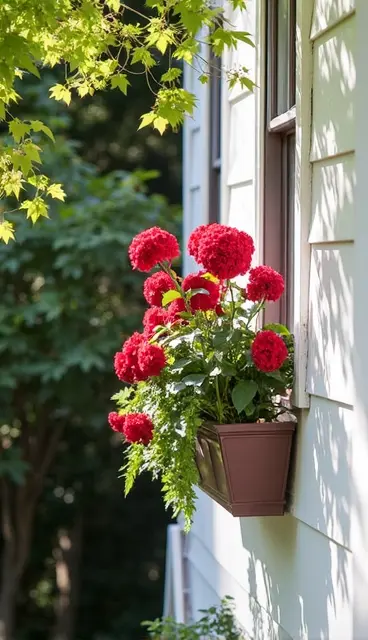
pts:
pixel 202 301
pixel 155 286
pixel 154 317
pixel 138 428
pixel 195 238
pixel 116 421
pixel 151 360
pixel 152 246
pixel 224 251
pixel 174 308
pixel 126 361
pixel 264 284
pixel 269 351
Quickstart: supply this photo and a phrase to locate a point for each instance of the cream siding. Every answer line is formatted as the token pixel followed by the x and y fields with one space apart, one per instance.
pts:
pixel 293 577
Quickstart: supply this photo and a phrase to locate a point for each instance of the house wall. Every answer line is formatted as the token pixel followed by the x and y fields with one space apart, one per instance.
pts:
pixel 294 576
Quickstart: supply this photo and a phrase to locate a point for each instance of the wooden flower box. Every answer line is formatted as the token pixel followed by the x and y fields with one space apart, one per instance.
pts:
pixel 244 467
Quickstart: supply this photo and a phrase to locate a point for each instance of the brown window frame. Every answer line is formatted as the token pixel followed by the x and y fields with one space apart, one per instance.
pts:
pixel 214 184
pixel 279 163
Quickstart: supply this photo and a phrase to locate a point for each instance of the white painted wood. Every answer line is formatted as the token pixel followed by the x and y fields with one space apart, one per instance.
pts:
pixel 195 158
pixel 333 200
pixel 243 55
pixel 195 168
pixel 331 341
pixel 260 106
pixel 328 13
pixel 290 582
pixel 174 579
pixel 292 577
pixel 359 513
pixel 241 208
pixel 241 143
pixel 302 200
pixel 322 480
pixel 333 91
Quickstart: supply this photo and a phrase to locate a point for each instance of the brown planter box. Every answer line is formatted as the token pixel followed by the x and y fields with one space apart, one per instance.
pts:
pixel 244 467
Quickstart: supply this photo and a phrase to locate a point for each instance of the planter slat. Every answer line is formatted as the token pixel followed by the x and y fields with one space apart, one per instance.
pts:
pixel 244 467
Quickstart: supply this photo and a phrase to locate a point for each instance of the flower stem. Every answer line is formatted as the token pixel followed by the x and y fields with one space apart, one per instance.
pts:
pixel 219 402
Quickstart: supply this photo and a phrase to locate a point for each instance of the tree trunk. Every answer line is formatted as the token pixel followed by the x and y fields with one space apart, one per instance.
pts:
pixel 8 592
pixel 17 510
pixel 67 574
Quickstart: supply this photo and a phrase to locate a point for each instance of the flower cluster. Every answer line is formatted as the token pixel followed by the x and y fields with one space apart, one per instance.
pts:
pixel 136 427
pixel 202 301
pixel 199 356
pixel 224 251
pixel 138 359
pixel 264 284
pixel 155 286
pixel 151 247
pixel 269 351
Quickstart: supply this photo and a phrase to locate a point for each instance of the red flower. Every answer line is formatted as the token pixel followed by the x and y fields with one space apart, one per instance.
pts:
pixel 174 308
pixel 269 351
pixel 155 286
pixel 224 251
pixel 126 361
pixel 151 360
pixel 219 310
pixel 154 317
pixel 195 238
pixel 116 421
pixel 152 246
pixel 138 428
pixel 264 284
pixel 202 301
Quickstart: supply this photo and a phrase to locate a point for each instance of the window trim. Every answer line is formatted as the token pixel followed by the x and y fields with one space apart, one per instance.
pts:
pixel 215 160
pixel 278 128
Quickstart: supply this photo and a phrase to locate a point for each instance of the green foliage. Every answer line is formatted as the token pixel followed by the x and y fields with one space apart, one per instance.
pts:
pixel 210 376
pixel 68 295
pixel 216 622
pixel 100 46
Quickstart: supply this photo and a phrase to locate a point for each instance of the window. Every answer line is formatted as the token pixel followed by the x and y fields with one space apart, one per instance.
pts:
pixel 214 213
pixel 279 156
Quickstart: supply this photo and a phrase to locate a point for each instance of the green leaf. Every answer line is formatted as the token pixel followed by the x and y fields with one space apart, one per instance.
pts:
pixel 194 379
pixel 6 231
pixel 171 75
pixel 277 328
pixel 147 119
pixel 169 296
pixel 243 393
pixel 275 375
pixel 160 124
pixel 193 292
pixel 18 129
pixel 13 183
pixel 35 208
pixel 227 368
pixel 220 338
pixel 120 81
pixel 32 151
pixel 180 364
pixel 37 125
pixel 40 181
pixel 56 191
pixel 61 93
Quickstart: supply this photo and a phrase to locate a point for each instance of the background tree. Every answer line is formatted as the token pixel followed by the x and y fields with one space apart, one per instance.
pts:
pixel 68 298
pixel 100 44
